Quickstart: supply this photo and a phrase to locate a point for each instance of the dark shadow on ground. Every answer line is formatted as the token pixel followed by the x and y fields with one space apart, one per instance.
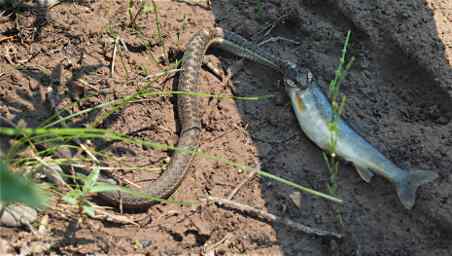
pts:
pixel 35 108
pixel 397 98
pixel 30 17
pixel 399 92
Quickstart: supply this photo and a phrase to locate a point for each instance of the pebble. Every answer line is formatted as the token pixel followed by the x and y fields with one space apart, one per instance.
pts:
pixel 145 243
pixel 296 198
pixel 16 215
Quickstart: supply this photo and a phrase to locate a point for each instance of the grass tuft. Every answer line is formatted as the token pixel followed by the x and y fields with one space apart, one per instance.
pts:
pixel 337 102
pixel 86 133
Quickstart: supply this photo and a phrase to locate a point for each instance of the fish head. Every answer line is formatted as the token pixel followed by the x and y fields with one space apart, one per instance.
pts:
pixel 297 78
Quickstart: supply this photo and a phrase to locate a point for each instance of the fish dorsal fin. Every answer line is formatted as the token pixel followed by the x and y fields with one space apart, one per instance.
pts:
pixel 364 173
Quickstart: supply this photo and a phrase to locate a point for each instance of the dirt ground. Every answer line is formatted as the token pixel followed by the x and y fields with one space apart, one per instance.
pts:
pixel 399 92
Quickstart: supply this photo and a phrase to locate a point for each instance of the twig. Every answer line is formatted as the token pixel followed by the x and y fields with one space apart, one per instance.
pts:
pixel 82 83
pixel 238 187
pixel 165 72
pixel 105 168
pixel 129 182
pixel 273 218
pixel 88 152
pixel 113 59
pixel 104 215
pixel 134 19
pixel 269 28
pixel 208 248
pixel 159 32
pixel 276 39
pixel 124 45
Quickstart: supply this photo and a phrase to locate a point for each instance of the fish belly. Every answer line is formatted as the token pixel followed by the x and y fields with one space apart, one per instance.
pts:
pixel 314 113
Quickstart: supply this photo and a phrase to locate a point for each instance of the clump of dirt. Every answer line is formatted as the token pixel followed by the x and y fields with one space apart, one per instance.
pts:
pixel 398 95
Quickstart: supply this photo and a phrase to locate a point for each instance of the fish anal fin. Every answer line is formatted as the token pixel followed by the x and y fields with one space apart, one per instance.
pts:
pixel 364 173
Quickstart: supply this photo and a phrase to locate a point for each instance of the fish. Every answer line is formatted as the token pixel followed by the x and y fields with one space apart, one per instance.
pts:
pixel 314 112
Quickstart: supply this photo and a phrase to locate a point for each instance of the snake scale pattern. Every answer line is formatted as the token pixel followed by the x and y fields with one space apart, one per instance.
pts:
pixel 188 107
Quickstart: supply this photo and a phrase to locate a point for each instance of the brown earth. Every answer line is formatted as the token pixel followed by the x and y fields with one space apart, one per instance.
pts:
pixel 399 92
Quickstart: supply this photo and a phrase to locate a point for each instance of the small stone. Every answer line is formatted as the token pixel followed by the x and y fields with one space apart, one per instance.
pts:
pixel 17 215
pixel 296 198
pixel 145 243
pixel 44 225
pixel 228 215
pixel 38 247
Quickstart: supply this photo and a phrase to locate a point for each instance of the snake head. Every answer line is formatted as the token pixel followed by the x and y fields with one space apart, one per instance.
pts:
pixel 299 78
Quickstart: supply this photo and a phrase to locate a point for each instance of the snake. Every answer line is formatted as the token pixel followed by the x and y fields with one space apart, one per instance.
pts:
pixel 188 109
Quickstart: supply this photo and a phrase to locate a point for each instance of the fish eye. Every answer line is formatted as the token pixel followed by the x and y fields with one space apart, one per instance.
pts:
pixel 310 77
pixel 304 79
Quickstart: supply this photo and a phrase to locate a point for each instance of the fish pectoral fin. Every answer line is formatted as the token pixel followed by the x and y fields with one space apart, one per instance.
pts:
pixel 364 173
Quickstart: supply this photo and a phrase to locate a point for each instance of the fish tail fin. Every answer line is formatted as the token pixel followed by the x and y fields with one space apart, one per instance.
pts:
pixel 406 187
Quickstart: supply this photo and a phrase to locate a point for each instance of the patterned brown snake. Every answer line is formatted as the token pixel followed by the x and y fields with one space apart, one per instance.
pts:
pixel 188 108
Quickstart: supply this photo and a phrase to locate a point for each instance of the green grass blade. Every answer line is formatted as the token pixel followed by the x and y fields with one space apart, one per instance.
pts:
pixel 110 135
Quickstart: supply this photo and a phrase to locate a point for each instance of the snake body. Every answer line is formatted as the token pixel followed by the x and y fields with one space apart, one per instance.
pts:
pixel 188 107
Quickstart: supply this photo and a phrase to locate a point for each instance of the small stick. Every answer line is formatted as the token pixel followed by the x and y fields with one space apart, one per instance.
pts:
pixel 159 74
pixel 208 248
pixel 273 218
pixel 278 38
pixel 105 168
pixel 238 187
pixel 134 19
pixel 268 29
pixel 113 59
pixel 124 45
pixel 119 219
pixel 82 83
pixel 91 155
pixel 132 183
